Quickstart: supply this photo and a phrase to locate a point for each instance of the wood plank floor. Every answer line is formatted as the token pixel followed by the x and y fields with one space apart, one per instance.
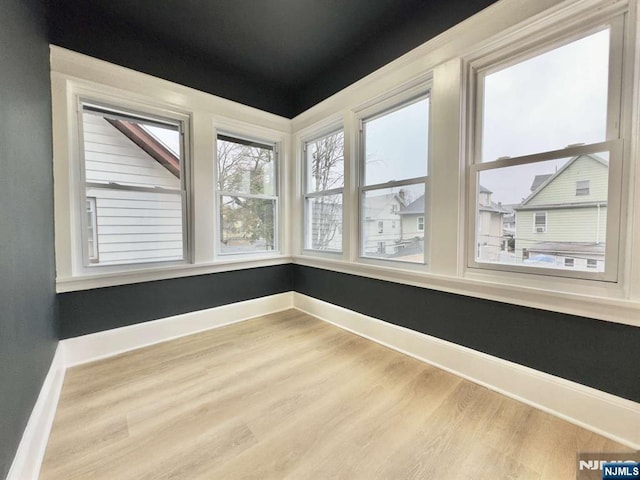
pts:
pixel 289 396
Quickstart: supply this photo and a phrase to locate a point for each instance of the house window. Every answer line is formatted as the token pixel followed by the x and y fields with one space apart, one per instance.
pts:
pixel 592 263
pixel 421 224
pixel 582 187
pixel 569 262
pixel 92 230
pixel 324 183
pixel 247 196
pixel 534 162
pixel 134 168
pixel 393 163
pixel 540 222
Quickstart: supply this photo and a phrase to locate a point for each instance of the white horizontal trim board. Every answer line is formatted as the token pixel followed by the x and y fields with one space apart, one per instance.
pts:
pixel 30 453
pixel 613 417
pixel 95 346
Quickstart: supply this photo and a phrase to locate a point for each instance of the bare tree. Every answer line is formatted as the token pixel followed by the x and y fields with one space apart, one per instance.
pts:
pixel 245 169
pixel 326 173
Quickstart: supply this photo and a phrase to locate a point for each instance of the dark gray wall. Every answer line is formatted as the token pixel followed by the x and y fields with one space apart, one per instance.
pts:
pixel 28 329
pixel 599 354
pixel 91 311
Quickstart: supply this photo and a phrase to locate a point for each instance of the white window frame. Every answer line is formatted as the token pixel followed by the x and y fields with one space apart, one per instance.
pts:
pixel 374 110
pixel 583 188
pixel 309 195
pixel 521 51
pixel 537 228
pixel 420 224
pixel 75 77
pixel 116 111
pixel 265 143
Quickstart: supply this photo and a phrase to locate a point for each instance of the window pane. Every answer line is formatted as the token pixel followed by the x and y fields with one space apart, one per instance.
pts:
pixel 550 101
pixel 532 215
pixel 325 163
pixel 245 167
pixel 135 226
pixel 133 189
pixel 324 223
pixel 246 224
pixel 396 144
pixel 130 152
pixel 390 223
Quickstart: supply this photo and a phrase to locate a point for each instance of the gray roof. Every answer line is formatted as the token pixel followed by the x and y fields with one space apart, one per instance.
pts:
pixel 494 207
pixel 414 208
pixel 484 189
pixel 539 180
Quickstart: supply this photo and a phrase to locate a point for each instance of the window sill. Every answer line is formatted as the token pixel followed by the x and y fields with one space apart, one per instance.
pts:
pixel 599 302
pixel 89 281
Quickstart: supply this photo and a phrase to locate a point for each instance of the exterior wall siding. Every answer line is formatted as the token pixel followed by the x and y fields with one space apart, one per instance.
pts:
pixel 562 189
pixel 132 226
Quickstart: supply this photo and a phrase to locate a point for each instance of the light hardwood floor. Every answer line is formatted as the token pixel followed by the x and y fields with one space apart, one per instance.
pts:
pixel 289 396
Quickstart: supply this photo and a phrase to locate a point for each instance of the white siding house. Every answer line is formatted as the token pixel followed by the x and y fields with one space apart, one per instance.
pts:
pixel 382 228
pixel 125 224
pixel 491 237
pixel 563 221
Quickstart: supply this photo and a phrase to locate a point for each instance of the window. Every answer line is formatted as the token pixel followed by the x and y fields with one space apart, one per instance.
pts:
pixel 134 186
pixel 92 230
pixel 421 224
pixel 247 196
pixel 569 262
pixel 592 263
pixel 393 178
pixel 540 222
pixel 541 129
pixel 582 187
pixel 324 183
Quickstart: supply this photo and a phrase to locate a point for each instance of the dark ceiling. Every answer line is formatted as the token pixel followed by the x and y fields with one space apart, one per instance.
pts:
pixel 282 56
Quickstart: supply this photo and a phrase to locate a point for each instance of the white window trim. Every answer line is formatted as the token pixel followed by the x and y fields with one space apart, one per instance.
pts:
pixel 420 224
pixel 445 60
pixel 417 89
pixel 304 140
pixel 270 143
pixel 535 223
pixel 546 41
pixel 76 76
pixel 507 22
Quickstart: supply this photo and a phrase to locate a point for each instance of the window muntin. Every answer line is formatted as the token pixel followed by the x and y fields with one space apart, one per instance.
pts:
pixel 134 181
pixel 323 196
pixel 394 165
pixel 558 162
pixel 247 196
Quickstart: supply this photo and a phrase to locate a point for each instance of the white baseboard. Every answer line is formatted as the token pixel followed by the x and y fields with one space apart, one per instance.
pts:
pixel 75 351
pixel 95 346
pixel 26 463
pixel 613 417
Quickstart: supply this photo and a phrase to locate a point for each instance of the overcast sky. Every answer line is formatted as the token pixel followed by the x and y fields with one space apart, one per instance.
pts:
pixel 545 103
